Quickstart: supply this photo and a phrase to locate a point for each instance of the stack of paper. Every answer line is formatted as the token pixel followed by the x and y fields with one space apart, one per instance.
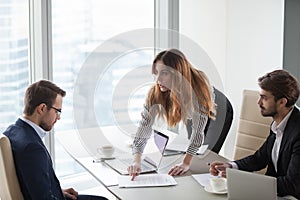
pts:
pixel 147 180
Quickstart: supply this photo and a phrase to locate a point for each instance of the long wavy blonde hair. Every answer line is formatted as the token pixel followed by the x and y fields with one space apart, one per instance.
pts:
pixel 189 91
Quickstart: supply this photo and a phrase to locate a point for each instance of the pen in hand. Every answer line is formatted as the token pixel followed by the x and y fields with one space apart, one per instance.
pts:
pixel 216 168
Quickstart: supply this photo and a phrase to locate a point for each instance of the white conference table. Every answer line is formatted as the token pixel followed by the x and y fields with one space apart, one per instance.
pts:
pixel 187 187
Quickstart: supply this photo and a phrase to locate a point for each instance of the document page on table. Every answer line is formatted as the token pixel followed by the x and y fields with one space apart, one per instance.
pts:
pixel 147 180
pixel 203 179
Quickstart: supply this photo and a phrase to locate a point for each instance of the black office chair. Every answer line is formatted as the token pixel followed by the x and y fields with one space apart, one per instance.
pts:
pixel 216 130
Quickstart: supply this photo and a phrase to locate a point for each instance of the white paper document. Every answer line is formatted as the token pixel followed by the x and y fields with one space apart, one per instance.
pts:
pixel 183 147
pixel 147 180
pixel 202 149
pixel 203 179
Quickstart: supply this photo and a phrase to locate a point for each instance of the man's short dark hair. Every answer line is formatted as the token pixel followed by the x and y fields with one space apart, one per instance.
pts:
pixel 43 91
pixel 282 85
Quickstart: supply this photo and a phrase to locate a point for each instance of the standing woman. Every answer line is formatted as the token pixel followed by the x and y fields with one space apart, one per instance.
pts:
pixel 181 92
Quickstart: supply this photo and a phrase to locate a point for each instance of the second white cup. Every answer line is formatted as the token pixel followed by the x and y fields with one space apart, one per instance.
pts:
pixel 218 184
pixel 107 151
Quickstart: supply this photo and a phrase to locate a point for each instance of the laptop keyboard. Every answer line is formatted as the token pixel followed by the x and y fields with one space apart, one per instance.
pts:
pixel 128 162
pixel 123 163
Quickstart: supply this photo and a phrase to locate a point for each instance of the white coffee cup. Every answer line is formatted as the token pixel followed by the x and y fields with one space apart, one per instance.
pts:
pixel 218 184
pixel 106 151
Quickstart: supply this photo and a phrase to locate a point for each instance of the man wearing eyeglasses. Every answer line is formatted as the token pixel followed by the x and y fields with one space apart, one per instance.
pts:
pixel 43 103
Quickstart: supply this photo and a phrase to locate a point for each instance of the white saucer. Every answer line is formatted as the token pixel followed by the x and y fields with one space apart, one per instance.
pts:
pixel 103 159
pixel 208 188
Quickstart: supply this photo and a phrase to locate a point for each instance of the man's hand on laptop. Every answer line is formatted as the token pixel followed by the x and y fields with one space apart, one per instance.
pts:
pixel 218 168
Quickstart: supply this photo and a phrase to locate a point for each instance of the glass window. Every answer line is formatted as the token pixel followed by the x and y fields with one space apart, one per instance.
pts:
pixel 79 28
pixel 14 59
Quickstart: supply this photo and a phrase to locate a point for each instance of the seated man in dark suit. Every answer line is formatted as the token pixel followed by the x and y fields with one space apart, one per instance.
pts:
pixel 43 103
pixel 281 150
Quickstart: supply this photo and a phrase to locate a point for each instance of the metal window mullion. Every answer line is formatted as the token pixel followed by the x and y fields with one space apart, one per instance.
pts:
pixel 173 23
pixel 41 49
pixel 166 18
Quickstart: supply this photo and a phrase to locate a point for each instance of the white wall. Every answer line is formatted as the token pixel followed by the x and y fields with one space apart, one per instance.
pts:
pixel 244 38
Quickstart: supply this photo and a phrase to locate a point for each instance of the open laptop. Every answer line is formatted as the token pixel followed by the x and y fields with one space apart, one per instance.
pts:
pixel 249 185
pixel 150 163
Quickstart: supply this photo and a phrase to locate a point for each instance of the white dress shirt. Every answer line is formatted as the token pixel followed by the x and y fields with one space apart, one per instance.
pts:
pixel 41 132
pixel 278 129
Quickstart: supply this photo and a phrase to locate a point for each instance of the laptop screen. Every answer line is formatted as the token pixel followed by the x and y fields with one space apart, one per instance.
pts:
pixel 161 141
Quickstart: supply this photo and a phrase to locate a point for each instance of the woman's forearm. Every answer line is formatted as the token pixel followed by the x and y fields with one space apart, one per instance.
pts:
pixel 187 159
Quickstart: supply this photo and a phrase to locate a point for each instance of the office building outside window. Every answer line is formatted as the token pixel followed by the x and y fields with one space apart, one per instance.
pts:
pixel 14 59
pixel 78 28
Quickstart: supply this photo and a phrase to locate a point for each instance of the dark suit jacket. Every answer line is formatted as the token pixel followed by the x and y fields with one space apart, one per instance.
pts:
pixel 288 164
pixel 33 163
